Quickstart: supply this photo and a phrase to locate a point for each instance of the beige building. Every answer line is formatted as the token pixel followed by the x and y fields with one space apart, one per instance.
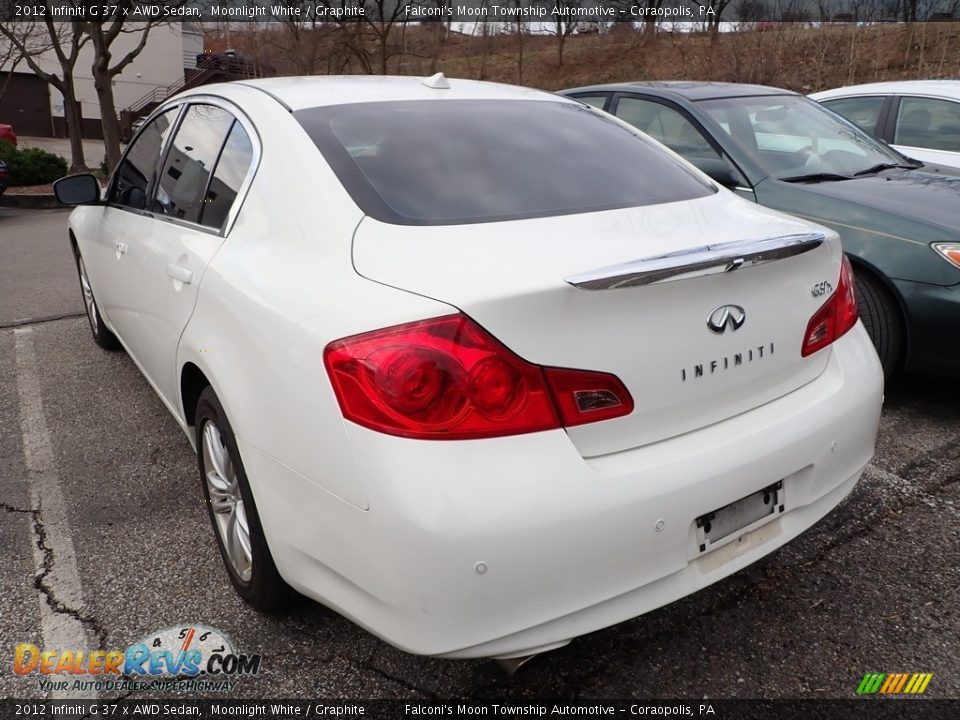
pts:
pixel 35 108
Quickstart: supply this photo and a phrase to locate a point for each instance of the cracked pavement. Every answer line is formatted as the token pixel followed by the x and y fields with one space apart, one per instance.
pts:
pixel 874 587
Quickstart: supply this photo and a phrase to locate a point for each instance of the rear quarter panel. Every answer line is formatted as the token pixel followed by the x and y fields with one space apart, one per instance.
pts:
pixel 280 289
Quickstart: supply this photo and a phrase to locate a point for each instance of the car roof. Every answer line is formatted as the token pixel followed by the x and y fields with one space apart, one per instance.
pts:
pixel 297 93
pixel 690 90
pixel 946 88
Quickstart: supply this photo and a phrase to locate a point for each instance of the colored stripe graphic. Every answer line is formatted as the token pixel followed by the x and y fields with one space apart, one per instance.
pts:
pixel 870 683
pixel 894 683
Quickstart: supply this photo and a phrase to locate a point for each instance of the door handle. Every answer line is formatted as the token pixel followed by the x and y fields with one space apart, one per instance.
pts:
pixel 180 273
pixel 121 248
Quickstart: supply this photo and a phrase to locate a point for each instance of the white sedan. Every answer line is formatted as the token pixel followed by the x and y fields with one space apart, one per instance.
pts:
pixel 478 366
pixel 920 118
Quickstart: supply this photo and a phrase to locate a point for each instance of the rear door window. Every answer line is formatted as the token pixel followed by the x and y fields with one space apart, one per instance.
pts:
pixel 928 123
pixel 666 125
pixel 597 101
pixel 182 185
pixel 232 168
pixel 864 112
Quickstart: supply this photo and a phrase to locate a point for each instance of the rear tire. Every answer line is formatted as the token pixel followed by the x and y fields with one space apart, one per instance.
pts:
pixel 882 319
pixel 233 513
pixel 101 335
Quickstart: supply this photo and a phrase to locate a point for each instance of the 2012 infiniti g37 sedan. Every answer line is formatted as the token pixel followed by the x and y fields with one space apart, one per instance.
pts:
pixel 455 368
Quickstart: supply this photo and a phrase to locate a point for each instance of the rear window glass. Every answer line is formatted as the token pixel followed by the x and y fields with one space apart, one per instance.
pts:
pixel 465 161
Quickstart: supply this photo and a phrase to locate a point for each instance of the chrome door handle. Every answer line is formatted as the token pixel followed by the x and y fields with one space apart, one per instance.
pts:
pixel 180 273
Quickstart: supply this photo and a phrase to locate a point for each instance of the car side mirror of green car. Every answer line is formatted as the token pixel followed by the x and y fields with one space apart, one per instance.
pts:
pixel 82 189
pixel 719 171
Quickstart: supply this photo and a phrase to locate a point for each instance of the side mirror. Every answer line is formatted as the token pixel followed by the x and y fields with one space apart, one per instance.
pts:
pixel 719 171
pixel 83 189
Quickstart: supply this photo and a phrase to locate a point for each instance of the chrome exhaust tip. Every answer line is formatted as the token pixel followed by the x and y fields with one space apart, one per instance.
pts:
pixel 511 666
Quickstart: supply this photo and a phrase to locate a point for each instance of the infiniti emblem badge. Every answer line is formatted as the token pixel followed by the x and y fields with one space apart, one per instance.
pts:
pixel 726 316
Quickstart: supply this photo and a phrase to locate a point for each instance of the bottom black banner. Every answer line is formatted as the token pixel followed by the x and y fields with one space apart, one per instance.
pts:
pixel 892 709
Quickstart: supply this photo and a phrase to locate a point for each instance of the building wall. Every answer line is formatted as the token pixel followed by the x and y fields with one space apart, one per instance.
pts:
pixel 171 48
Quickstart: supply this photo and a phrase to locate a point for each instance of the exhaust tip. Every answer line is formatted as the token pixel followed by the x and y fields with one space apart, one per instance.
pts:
pixel 511 666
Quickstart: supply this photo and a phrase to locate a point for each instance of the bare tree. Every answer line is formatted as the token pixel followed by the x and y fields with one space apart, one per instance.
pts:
pixel 27 42
pixel 650 23
pixel 103 34
pixel 752 11
pixel 299 42
pixel 565 22
pixel 715 10
pixel 369 40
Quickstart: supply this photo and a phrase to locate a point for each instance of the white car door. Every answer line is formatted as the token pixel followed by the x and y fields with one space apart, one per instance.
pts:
pixel 204 166
pixel 125 224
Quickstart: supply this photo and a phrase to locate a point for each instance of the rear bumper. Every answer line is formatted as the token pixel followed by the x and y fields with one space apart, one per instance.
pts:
pixel 501 547
pixel 934 310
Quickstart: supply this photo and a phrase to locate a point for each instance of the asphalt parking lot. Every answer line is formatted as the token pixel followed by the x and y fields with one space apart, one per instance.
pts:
pixel 105 539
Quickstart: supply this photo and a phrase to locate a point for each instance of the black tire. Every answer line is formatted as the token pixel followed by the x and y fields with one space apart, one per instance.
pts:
pixel 101 335
pixel 264 590
pixel 882 319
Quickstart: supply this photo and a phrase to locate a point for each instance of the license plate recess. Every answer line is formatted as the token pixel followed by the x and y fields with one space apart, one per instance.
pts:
pixel 723 525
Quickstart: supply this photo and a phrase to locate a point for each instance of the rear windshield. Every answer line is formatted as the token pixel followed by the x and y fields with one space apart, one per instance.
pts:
pixel 441 162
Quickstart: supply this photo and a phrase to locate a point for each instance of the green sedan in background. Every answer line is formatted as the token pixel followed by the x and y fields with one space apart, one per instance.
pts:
pixel 899 219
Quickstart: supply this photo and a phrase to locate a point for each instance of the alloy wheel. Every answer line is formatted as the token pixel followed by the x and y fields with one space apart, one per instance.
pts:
pixel 226 501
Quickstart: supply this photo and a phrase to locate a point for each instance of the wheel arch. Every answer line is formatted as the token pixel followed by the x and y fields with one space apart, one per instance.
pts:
pixel 864 266
pixel 193 381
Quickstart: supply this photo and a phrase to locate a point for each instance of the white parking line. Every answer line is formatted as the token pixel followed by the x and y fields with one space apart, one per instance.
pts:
pixel 61 600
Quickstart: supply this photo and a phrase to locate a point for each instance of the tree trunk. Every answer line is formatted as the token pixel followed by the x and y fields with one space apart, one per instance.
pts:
pixel 108 112
pixel 74 118
pixel 384 32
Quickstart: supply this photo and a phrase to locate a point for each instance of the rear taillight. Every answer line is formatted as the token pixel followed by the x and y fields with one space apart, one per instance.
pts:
pixel 835 317
pixel 447 378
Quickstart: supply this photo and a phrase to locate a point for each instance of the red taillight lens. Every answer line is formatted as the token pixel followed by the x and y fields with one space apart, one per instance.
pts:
pixel 447 378
pixel 835 317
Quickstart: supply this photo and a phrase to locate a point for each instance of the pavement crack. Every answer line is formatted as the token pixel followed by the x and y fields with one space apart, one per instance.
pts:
pixel 11 509
pixel 25 322
pixel 367 665
pixel 930 458
pixel 40 582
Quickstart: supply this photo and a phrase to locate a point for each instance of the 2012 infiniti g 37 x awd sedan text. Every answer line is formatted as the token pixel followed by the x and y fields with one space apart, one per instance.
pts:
pixel 480 367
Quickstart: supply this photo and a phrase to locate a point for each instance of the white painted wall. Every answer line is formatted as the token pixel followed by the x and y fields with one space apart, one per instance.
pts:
pixel 170 48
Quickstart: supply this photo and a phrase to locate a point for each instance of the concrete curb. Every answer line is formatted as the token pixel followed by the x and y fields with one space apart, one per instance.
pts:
pixel 29 202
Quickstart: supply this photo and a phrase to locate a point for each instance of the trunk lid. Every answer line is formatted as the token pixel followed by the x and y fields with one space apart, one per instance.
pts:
pixel 514 279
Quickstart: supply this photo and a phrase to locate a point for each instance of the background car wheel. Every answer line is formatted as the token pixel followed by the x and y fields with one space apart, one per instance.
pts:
pixel 233 512
pixel 881 317
pixel 101 335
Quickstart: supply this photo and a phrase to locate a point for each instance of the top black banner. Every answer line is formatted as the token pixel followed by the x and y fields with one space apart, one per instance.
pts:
pixel 710 12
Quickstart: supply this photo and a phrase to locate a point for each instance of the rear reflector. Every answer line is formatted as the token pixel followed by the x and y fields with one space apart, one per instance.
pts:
pixel 584 397
pixel 835 317
pixel 447 378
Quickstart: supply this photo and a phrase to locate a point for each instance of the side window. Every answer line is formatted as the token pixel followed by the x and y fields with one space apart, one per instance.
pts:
pixel 193 153
pixel 231 169
pixel 133 174
pixel 864 112
pixel 928 123
pixel 597 101
pixel 668 126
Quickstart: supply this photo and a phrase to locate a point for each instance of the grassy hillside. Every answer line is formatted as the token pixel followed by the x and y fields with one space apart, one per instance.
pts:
pixel 788 55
